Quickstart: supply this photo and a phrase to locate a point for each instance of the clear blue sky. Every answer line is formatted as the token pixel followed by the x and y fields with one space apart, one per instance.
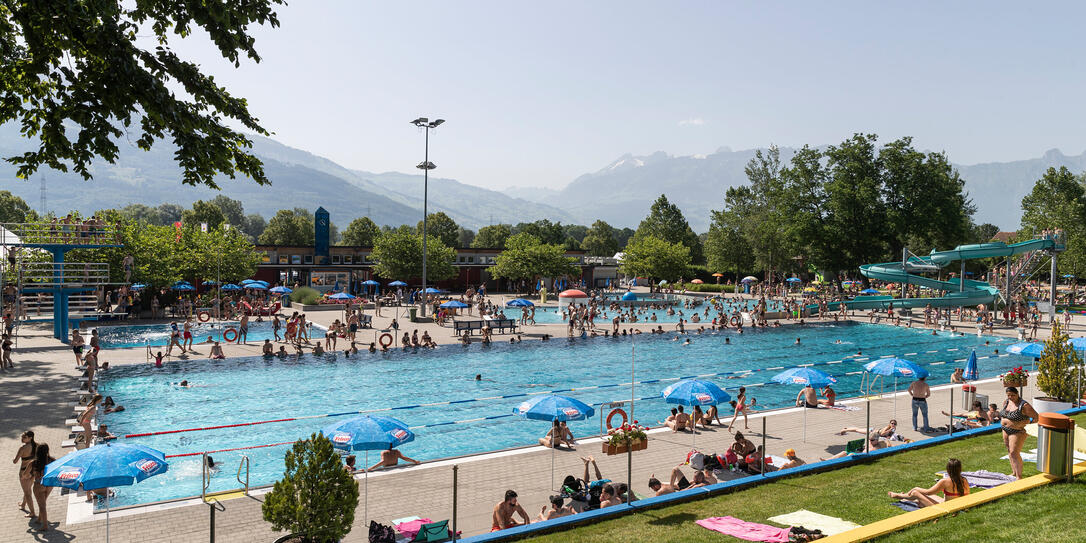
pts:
pixel 537 93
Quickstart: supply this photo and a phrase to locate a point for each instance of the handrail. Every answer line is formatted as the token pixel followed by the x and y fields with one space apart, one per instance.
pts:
pixel 205 477
pixel 244 462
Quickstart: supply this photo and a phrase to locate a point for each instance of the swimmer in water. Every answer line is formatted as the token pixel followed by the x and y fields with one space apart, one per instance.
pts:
pixel 478 377
pixel 797 341
pixel 184 384
pixel 687 342
pixel 838 342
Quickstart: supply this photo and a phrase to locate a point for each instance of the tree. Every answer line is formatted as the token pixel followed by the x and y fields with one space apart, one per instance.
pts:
pixel 254 225
pixel 203 212
pixel 15 209
pixel 1058 200
pixel 77 77
pixel 141 213
pixel 725 246
pixel 398 254
pixel 492 237
pixel 665 221
pixel 527 257
pixel 464 237
pixel 441 226
pixel 983 233
pixel 170 213
pixel 361 232
pixel 547 231
pixel 1056 370
pixel 600 240
pixel 623 237
pixel 575 231
pixel 315 498
pixel 655 258
pixel 289 227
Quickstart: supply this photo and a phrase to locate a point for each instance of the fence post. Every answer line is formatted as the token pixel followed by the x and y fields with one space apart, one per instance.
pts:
pixel 867 435
pixel 763 444
pixel 951 411
pixel 456 468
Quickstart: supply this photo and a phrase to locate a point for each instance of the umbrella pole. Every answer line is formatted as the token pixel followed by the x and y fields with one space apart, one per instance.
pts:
pixel 107 515
pixel 554 439
pixel 895 397
pixel 366 490
pixel 804 422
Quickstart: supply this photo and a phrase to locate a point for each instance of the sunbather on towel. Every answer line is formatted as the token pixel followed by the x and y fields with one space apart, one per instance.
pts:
pixel 952 486
pixel 680 482
pixel 874 442
pixel 885 432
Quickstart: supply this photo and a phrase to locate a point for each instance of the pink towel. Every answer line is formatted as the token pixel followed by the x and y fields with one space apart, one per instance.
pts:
pixel 751 531
pixel 410 529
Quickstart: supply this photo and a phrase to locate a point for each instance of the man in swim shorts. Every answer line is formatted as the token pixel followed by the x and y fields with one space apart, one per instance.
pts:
pixel 268 349
pixel 503 513
pixel 807 397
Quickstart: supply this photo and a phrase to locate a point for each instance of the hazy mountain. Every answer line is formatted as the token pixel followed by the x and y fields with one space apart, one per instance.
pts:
pixel 533 194
pixel 299 179
pixel 622 192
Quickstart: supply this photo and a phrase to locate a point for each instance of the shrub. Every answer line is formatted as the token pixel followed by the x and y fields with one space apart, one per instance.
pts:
pixel 706 287
pixel 1056 371
pixel 305 296
pixel 316 497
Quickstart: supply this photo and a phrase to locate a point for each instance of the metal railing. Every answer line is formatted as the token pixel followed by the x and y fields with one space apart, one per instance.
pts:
pixel 59 233
pixel 244 463
pixel 62 273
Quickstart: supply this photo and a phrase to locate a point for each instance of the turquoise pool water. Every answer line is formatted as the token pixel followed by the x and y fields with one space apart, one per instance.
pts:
pixel 158 335
pixel 253 389
pixel 553 315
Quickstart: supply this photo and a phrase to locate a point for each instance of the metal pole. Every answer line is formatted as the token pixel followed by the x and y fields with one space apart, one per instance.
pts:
pixel 212 523
pixel 763 441
pixel 961 279
pixel 629 447
pixel 456 468
pixel 951 410
pixel 867 435
pixel 425 188
pixel 1052 290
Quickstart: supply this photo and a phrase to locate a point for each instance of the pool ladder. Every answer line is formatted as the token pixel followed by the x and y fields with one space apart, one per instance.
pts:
pixel 205 474
pixel 244 463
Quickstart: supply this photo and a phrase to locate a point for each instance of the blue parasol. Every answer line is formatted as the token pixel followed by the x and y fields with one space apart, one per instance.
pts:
pixel 971 373
pixel 519 302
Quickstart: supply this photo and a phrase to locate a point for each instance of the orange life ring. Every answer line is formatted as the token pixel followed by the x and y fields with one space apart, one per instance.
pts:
pixel 611 415
pixel 203 316
pixel 385 336
pixel 735 321
pixel 229 335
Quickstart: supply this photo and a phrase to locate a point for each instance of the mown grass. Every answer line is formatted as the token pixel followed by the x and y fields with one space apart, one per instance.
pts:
pixel 858 493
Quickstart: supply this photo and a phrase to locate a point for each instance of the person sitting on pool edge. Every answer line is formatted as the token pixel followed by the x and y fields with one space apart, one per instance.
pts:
pixel 565 436
pixel 268 349
pixel 830 396
pixel 502 517
pixel 793 460
pixel 390 457
pixel 807 397
pixel 216 352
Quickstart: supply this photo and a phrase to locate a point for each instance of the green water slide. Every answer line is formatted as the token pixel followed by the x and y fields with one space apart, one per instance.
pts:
pixel 959 293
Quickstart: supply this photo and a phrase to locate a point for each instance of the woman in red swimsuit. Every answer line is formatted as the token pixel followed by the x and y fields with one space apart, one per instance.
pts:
pixel 952 486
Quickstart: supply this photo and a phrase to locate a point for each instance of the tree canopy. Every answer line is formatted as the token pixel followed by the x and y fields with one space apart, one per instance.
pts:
pixel 492 237
pixel 398 254
pixel 289 227
pixel 655 258
pixel 548 232
pixel 527 257
pixel 15 209
pixel 599 240
pixel 361 232
pixel 1058 200
pixel 441 226
pixel 665 221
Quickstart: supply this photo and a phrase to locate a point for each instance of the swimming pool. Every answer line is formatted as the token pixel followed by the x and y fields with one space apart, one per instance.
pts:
pixel 254 389
pixel 158 335
pixel 553 315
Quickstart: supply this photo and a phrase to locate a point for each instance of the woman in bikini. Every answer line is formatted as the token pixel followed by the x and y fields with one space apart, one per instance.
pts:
pixel 86 418
pixel 1015 415
pixel 740 407
pixel 952 486
pixel 25 457
pixel 41 492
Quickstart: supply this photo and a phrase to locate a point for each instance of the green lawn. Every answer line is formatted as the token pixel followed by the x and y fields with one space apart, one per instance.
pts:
pixel 858 493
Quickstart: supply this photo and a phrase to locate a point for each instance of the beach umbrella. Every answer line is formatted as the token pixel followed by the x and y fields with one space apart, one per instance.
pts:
pixel 519 302
pixel 971 373
pixel 370 282
pixel 261 283
pixel 662 282
pixel 432 290
pixel 105 465
pixel 810 289
pixel 718 275
pixel 453 304
pixel 256 286
pixel 554 408
pixel 138 286
pixel 898 367
pixel 368 433
pixel 230 286
pixel 183 288
pixel 695 392
pixel 1032 350
pixel 247 281
pixel 341 296
pixel 804 376
pixel 869 291
pixel 1076 343
pixel 697 282
pixel 209 283
pixel 749 279
pixel 794 280
pixel 397 284
pixel 280 290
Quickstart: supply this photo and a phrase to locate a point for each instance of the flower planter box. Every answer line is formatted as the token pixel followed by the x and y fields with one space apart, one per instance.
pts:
pixel 1015 382
pixel 609 449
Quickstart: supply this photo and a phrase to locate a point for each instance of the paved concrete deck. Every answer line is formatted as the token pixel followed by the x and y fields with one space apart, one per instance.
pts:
pixel 36 393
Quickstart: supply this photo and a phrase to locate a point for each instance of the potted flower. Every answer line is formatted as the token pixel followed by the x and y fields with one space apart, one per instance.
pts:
pixel 1017 377
pixel 628 437
pixel 1057 373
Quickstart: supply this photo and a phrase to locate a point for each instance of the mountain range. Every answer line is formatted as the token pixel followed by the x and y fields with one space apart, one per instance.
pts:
pixel 620 193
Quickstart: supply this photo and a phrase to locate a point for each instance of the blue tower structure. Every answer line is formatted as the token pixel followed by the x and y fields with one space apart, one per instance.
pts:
pixel 59 278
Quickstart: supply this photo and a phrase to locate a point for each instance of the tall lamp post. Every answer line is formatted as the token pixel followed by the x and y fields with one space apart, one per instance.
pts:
pixel 425 166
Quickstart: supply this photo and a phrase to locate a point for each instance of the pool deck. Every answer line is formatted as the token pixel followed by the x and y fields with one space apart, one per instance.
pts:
pixel 36 395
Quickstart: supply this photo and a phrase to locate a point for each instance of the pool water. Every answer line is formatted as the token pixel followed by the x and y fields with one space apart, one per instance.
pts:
pixel 158 335
pixel 553 315
pixel 254 389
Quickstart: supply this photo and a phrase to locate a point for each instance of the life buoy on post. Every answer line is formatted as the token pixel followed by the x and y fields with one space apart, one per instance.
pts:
pixel 203 316
pixel 385 339
pixel 611 415
pixel 735 321
pixel 229 335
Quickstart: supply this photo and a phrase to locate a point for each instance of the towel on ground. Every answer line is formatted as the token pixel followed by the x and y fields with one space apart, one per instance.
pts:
pixel 843 407
pixel 815 521
pixel 411 528
pixel 1031 456
pixel 750 531
pixel 906 505
pixel 983 478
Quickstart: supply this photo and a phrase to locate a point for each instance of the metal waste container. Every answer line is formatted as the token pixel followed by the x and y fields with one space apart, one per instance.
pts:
pixel 1055 444
pixel 969 394
pixel 412 312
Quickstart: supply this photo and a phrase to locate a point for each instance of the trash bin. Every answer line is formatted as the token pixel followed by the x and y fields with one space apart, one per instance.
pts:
pixel 983 399
pixel 969 394
pixel 412 312
pixel 1055 443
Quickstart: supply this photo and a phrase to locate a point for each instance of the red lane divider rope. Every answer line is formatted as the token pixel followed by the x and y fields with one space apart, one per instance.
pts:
pixel 234 449
pixel 145 434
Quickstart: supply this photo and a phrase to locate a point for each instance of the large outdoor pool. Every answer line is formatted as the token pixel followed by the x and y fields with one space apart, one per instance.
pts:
pixel 158 335
pixel 250 389
pixel 552 315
